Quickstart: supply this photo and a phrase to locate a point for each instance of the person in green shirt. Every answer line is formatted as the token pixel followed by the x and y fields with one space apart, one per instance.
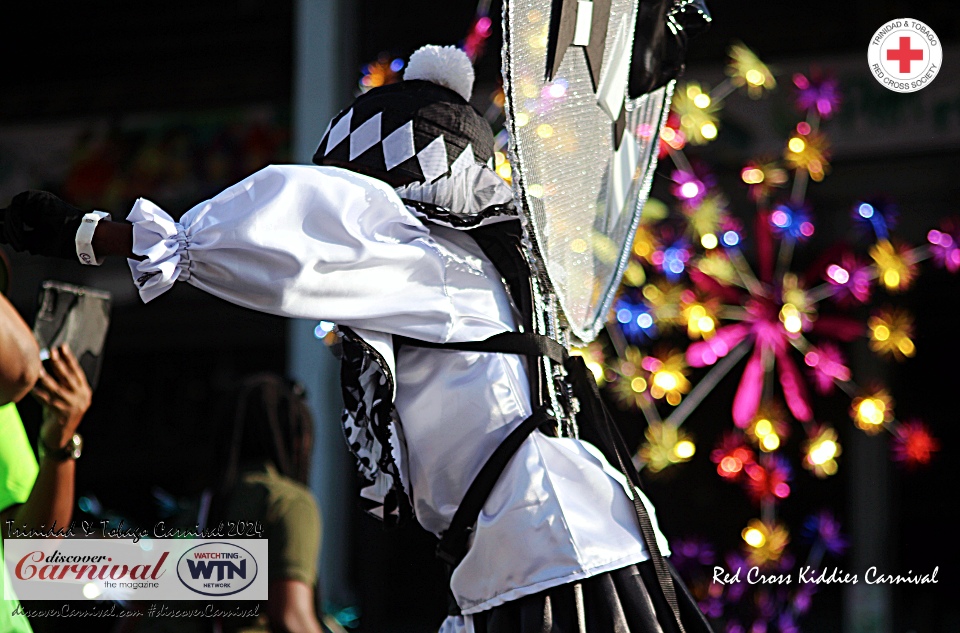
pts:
pixel 266 445
pixel 36 495
pixel 271 433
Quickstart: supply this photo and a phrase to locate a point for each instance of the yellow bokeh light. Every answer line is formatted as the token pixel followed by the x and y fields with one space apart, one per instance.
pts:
pixel 763 427
pixel 638 384
pixel 700 322
pixel 544 130
pixel 767 541
pixel 745 68
pixel 770 442
pixel 809 153
pixel 705 324
pixel 871 411
pixel 752 176
pixel 891 279
pixel 790 317
pixel 685 449
pixel 499 158
pixel 793 324
pixel 823 452
pixel 665 380
pixel 895 266
pixel 709 241
pixel 754 77
pixel 881 333
pixel 665 445
pixel 505 171
pixel 754 537
pixel 521 119
pixel 578 245
pixel 667 375
pixel 535 190
pixel 697 114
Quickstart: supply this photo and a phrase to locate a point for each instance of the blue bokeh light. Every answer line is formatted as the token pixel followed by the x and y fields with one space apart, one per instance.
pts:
pixel 731 238
pixel 323 328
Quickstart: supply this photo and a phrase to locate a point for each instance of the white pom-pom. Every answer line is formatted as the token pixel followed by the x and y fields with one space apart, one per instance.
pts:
pixel 445 65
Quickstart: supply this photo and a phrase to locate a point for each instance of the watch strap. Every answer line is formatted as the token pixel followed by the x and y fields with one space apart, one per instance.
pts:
pixel 71 450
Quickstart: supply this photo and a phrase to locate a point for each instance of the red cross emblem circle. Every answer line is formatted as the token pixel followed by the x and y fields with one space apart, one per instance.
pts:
pixel 904 55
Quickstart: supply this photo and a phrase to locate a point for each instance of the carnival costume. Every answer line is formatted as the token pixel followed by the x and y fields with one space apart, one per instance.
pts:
pixel 463 406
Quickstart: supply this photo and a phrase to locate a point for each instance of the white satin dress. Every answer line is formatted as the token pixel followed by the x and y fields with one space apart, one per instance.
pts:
pixel 326 243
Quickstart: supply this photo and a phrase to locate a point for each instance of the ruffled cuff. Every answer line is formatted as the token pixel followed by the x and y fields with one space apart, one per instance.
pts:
pixel 164 244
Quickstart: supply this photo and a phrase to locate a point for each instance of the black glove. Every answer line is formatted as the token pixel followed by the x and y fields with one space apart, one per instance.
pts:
pixel 41 224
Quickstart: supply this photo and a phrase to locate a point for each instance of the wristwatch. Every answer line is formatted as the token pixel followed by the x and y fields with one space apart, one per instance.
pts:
pixel 71 450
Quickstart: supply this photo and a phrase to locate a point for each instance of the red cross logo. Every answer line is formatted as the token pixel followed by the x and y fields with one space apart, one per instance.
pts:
pixel 905 54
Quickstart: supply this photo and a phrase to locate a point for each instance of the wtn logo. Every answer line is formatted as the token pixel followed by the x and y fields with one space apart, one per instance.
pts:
pixel 217 569
pixel 224 568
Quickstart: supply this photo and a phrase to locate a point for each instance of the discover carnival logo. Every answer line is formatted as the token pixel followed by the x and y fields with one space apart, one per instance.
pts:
pixel 37 565
pixel 217 569
pixel 905 55
pixel 145 569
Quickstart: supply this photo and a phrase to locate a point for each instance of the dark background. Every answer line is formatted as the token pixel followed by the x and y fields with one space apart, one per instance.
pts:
pixel 153 418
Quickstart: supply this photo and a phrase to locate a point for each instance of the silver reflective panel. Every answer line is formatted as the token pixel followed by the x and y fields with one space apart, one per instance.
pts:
pixel 581 191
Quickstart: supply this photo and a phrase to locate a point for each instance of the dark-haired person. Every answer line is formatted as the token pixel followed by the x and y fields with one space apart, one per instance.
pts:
pixel 36 496
pixel 264 440
pixel 270 437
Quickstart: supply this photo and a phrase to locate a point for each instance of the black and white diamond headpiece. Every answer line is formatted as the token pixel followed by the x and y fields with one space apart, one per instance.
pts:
pixel 415 131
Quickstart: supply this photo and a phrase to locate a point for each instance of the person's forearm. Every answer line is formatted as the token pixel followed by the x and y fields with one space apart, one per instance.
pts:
pixel 66 396
pixel 20 354
pixel 114 238
pixel 299 622
pixel 51 499
pixel 290 607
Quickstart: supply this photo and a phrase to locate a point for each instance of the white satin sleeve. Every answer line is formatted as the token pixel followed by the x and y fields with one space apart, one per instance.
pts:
pixel 322 243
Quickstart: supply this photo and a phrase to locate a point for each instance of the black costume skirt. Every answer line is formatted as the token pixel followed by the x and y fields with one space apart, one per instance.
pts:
pixel 626 600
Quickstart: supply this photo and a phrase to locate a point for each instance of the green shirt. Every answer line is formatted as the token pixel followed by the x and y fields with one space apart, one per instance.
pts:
pixel 291 525
pixel 290 518
pixel 18 472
